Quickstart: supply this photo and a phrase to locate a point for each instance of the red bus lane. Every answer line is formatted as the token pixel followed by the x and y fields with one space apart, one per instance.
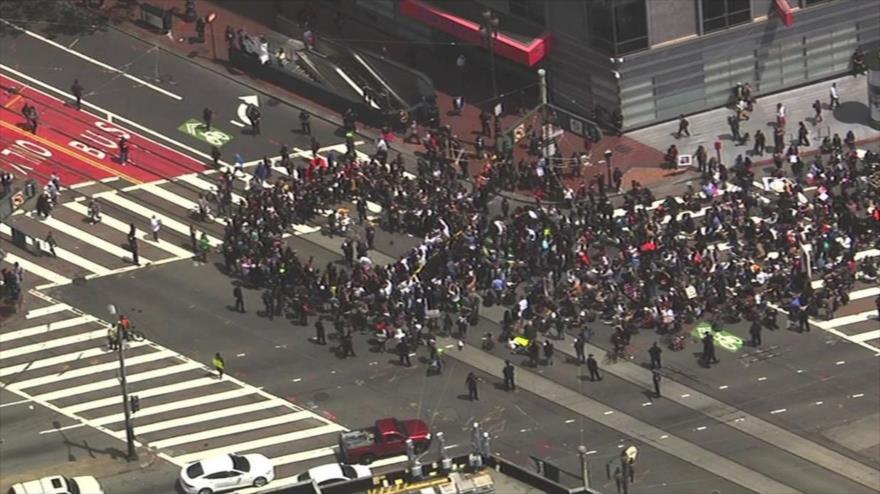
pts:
pixel 76 144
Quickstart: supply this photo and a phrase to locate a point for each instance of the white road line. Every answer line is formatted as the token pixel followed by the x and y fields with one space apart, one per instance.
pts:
pixel 56 343
pixel 844 320
pixel 92 369
pixel 206 417
pixel 38 270
pixel 232 429
pixel 61 359
pixel 108 383
pixel 66 255
pixel 59 429
pixel 143 394
pixel 91 239
pixel 265 442
pixel 45 328
pixel 123 227
pixel 44 311
pixel 167 222
pixel 94 61
pixel 176 405
pixel 12 404
pixel 196 181
pixel 302 456
pixel 867 336
pixel 237 123
pixel 175 199
pixel 865 293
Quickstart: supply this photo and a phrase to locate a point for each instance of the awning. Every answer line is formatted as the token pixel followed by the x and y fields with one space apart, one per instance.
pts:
pixel 786 12
pixel 523 52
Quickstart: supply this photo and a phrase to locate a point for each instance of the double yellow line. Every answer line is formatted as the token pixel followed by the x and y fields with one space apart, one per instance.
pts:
pixel 69 152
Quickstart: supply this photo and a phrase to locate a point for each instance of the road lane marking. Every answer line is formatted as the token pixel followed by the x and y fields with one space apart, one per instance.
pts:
pixel 143 394
pixel 45 328
pixel 207 416
pixel 845 320
pixel 44 311
pixel 92 60
pixel 21 402
pixel 867 336
pixel 38 270
pixel 109 383
pixel 81 355
pixel 91 369
pixel 779 410
pixel 92 239
pixel 136 208
pixel 59 429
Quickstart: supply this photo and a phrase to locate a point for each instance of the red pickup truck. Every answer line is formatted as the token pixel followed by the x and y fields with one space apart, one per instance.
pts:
pixel 386 438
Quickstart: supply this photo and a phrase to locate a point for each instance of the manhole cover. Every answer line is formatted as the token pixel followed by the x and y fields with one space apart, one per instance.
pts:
pixel 321 396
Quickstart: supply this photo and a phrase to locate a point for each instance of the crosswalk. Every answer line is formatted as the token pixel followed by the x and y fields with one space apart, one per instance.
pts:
pixel 58 357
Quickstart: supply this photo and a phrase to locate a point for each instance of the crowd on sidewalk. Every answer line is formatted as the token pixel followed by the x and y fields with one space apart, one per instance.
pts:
pixel 719 252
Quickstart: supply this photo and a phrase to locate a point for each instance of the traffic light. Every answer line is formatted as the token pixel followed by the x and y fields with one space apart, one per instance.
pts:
pixel 135 403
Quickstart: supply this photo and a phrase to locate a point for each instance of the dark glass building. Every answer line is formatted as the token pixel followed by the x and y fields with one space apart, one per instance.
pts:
pixel 649 59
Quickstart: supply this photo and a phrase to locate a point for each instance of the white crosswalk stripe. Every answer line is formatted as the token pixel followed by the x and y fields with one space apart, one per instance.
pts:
pixel 92 240
pixel 185 417
pixel 146 212
pixel 67 255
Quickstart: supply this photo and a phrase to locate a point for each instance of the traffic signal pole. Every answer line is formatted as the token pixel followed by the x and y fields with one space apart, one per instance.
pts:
pixel 129 429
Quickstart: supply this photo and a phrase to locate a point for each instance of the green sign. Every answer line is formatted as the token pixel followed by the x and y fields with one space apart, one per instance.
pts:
pixel 724 339
pixel 196 128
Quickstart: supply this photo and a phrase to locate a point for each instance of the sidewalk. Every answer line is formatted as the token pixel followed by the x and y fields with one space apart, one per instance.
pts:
pixel 711 126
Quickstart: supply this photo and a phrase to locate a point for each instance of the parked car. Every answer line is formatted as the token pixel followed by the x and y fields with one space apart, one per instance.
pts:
pixel 333 473
pixel 226 472
pixel 386 438
pixel 57 484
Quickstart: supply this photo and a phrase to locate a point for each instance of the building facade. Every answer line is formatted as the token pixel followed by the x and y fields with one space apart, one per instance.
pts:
pixel 654 59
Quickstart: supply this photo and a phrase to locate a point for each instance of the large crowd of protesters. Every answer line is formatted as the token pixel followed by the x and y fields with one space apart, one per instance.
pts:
pixel 718 252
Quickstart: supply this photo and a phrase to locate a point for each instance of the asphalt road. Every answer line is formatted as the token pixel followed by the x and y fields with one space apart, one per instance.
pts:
pixel 184 306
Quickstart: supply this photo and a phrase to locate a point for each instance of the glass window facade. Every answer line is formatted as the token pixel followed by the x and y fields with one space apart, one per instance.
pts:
pixel 618 26
pixel 720 14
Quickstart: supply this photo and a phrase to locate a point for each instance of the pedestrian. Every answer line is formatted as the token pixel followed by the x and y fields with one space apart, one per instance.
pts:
pixel 709 349
pixel 534 353
pixel 219 365
pixel 208 117
pixel 593 367
pixel 457 105
pixel 683 125
pixel 155 226
pixel 253 114
pixel 112 338
pixel 204 246
pixel 52 243
pixel 123 150
pixel 77 91
pixel 655 376
pixel 780 115
pixel 817 109
pixel 549 350
pixel 370 234
pixel 347 345
pixel 485 120
pixel 30 115
pixel 760 143
pixel 320 332
pixel 215 156
pixel 133 244
pixel 471 382
pixel 305 125
pixel 834 97
pixel 269 304
pixel 733 122
pixel 193 239
pixel 803 135
pixel 403 352
pixel 617 179
pixel 803 317
pixel 239 299
pixel 755 332
pixel 655 352
pixel 508 371
pixel 579 348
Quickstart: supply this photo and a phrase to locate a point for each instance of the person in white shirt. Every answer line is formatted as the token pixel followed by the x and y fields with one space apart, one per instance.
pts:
pixel 155 226
pixel 835 97
pixel 780 115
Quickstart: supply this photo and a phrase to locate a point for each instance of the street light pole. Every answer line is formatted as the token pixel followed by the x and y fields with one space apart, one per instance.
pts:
pixel 585 466
pixel 608 155
pixel 126 407
pixel 490 27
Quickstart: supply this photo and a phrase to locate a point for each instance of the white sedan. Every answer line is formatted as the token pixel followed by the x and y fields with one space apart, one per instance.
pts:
pixel 59 485
pixel 226 472
pixel 335 472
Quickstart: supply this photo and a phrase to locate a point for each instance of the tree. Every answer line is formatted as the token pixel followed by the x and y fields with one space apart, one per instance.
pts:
pixel 50 17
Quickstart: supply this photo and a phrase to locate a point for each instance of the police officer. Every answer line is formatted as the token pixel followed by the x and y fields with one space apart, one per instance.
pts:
pixel 755 332
pixel 208 117
pixel 304 124
pixel 403 352
pixel 253 114
pixel 471 382
pixel 508 371
pixel 269 303
pixel 320 335
pixel 77 91
pixel 219 365
pixel 579 347
pixel 239 299
pixel 709 349
pixel 593 367
pixel 655 352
